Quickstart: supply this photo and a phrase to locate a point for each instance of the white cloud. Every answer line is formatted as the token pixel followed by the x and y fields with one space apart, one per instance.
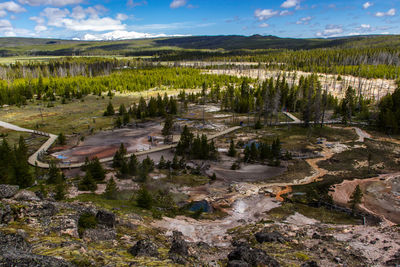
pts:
pixel 264 14
pixel 3 13
pixel 177 3
pixel 285 13
pixel 290 3
pixel 121 16
pixel 331 31
pixel 264 25
pixel 133 4
pixel 365 26
pixel 93 24
pixel 80 19
pixel 50 2
pixel 391 12
pixel 55 16
pixel 5 25
pixel 40 28
pixel 305 20
pixel 121 35
pixel 11 6
pixel 367 5
pixel 38 20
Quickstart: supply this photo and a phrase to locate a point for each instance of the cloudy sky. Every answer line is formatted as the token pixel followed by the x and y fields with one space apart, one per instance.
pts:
pixel 114 19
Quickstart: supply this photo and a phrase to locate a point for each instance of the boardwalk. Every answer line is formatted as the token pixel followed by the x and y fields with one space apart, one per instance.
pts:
pixel 34 159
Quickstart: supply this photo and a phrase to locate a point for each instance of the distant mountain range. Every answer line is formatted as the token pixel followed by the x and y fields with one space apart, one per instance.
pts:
pixel 57 47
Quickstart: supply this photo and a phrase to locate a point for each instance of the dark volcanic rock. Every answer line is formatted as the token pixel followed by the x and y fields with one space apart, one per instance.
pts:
pixel 100 234
pixel 252 256
pixel 179 249
pixel 25 195
pixel 310 264
pixel 7 191
pixel 236 263
pixel 13 241
pixel 274 236
pixel 5 214
pixel 144 248
pixel 15 251
pixel 106 218
pixel 27 259
pixel 179 245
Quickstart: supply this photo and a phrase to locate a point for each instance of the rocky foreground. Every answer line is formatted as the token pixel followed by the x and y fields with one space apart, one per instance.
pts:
pixel 37 231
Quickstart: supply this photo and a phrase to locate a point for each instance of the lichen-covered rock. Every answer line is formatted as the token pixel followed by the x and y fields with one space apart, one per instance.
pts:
pixel 144 247
pixel 106 218
pixel 13 241
pixel 5 213
pixel 274 236
pixel 179 245
pixel 25 195
pixel 99 234
pixel 15 251
pixel 26 259
pixel 7 191
pixel 237 263
pixel 310 264
pixel 179 250
pixel 252 256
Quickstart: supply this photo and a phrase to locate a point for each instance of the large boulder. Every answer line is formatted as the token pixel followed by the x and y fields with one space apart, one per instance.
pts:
pixel 106 218
pixel 5 214
pixel 179 250
pixel 27 259
pixel 7 191
pixel 13 241
pixel 99 234
pixel 144 248
pixel 274 236
pixel 310 264
pixel 236 263
pixel 15 251
pixel 179 245
pixel 25 195
pixel 251 256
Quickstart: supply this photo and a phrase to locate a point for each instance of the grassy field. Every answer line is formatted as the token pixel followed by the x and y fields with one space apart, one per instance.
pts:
pixel 321 214
pixel 77 116
pixel 32 141
pixel 295 137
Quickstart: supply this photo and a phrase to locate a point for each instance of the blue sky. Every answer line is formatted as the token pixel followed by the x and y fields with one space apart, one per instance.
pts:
pixel 111 19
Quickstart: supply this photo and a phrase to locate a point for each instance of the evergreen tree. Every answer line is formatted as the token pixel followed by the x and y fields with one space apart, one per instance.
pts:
pixel 162 163
pixel 61 140
pixel 54 174
pixel 60 190
pixel 356 198
pixel 111 191
pixel 144 199
pixel 167 129
pixel 87 183
pixel 232 149
pixel 122 110
pixel 94 167
pixel 133 165
pixel 119 156
pixel 126 118
pixel 110 110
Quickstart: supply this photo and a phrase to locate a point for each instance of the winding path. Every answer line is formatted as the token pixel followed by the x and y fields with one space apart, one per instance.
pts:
pixel 34 159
